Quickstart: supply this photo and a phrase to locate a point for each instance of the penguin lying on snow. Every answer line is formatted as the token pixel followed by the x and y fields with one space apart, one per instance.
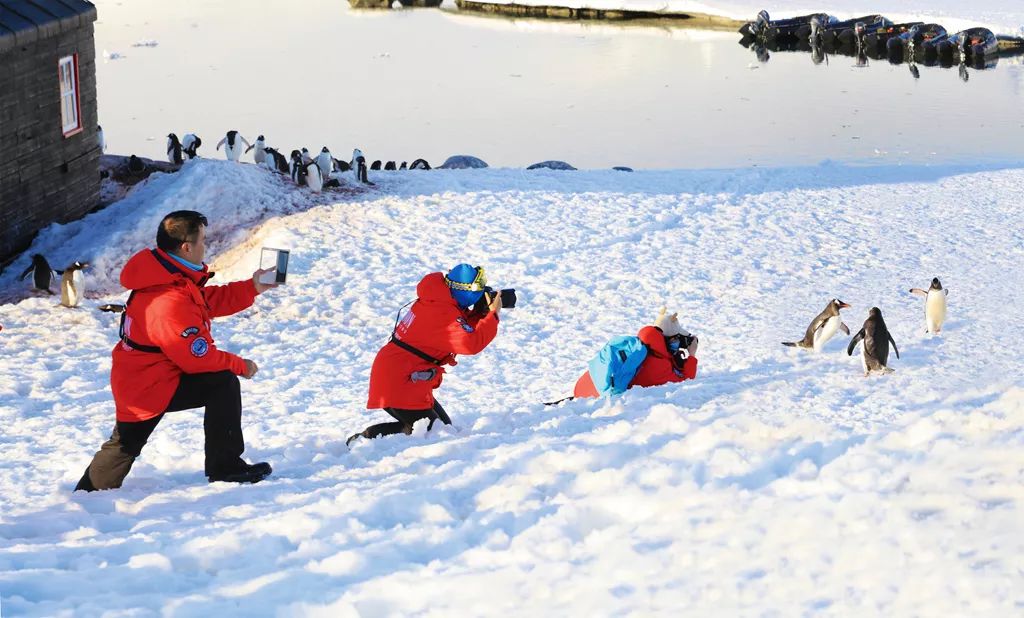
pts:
pixel 72 285
pixel 875 351
pixel 42 274
pixel 341 166
pixel 232 149
pixel 420 164
pixel 934 305
pixel 823 327
pixel 276 161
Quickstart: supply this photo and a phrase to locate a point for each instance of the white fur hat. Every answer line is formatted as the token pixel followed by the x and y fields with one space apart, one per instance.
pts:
pixel 669 324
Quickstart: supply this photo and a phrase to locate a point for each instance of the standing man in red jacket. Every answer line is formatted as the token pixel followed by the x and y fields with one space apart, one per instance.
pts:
pixel 439 325
pixel 166 360
pixel 668 359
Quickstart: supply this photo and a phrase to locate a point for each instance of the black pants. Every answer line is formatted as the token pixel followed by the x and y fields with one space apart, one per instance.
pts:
pixel 404 420
pixel 221 395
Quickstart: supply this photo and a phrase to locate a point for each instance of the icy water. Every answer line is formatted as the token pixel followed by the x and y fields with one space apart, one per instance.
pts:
pixel 404 84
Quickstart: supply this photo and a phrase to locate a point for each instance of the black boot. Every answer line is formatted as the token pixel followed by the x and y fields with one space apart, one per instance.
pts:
pixel 246 473
pixel 85 484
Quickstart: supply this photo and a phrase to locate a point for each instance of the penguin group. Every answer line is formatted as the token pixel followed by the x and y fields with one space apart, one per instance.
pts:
pixel 72 281
pixel 874 336
pixel 179 151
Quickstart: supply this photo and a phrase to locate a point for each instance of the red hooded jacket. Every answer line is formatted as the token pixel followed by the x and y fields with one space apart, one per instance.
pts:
pixel 658 368
pixel 171 309
pixel 436 326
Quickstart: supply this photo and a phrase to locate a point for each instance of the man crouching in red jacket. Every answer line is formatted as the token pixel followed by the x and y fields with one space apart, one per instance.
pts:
pixel 667 359
pixel 438 326
pixel 166 360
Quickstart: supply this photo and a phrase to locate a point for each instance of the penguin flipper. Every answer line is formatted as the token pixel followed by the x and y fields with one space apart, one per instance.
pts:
pixel 25 274
pixel 843 327
pixel 918 292
pixel 897 350
pixel 945 291
pixel 248 149
pixel 791 344
pixel 853 342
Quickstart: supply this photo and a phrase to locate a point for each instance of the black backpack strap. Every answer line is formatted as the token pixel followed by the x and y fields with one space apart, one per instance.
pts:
pixel 151 349
pixel 420 353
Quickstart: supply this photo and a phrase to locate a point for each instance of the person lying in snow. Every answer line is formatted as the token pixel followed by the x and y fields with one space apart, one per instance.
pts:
pixel 441 323
pixel 671 357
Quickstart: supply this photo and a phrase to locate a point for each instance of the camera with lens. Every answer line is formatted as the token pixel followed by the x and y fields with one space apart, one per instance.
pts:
pixel 508 299
pixel 686 340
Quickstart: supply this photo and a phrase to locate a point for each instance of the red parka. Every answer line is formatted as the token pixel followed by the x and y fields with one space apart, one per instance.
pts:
pixel 658 368
pixel 436 326
pixel 171 309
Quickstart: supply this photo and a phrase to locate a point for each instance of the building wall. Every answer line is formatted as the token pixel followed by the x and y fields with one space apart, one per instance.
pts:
pixel 45 177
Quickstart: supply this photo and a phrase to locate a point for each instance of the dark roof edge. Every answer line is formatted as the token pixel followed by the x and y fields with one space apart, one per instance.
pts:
pixel 84 14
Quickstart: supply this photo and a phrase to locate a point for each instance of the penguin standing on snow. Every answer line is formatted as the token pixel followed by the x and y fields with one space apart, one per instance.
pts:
pixel 298 168
pixel 174 150
pixel 875 351
pixel 305 156
pixel 325 161
pixel 390 166
pixel 233 149
pixel 42 274
pixel 314 178
pixel 823 327
pixel 260 155
pixel 358 166
pixel 375 166
pixel 934 305
pixel 72 285
pixel 189 144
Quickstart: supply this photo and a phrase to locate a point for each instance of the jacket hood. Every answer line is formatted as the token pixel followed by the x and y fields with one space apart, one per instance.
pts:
pixel 144 270
pixel 654 339
pixel 432 288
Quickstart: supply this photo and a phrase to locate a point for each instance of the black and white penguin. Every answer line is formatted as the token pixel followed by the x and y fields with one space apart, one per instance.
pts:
pixel 190 144
pixel 359 166
pixel 259 156
pixel 823 327
pixel 375 166
pixel 325 161
pixel 305 156
pixel 276 161
pixel 875 351
pixel 136 165
pixel 101 141
pixel 297 168
pixel 403 166
pixel 314 178
pixel 420 164
pixel 934 305
pixel 232 147
pixel 390 166
pixel 72 285
pixel 42 274
pixel 174 150
pixel 341 166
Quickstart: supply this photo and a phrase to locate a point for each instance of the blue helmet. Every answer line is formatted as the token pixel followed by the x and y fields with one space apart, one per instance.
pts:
pixel 466 284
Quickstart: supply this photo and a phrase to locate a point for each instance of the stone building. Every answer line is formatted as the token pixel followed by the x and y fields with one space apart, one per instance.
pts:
pixel 49 150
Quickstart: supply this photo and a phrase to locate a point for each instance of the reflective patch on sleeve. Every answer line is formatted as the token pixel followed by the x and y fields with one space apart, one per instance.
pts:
pixel 200 347
pixel 191 330
pixel 464 324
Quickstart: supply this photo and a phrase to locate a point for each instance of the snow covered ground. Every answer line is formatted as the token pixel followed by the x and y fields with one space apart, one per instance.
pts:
pixel 1002 16
pixel 778 483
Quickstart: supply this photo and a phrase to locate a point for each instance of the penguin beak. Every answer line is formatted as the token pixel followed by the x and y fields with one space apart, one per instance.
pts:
pixel 843 305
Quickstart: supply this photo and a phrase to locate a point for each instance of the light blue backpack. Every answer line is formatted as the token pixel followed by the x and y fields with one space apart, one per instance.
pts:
pixel 616 364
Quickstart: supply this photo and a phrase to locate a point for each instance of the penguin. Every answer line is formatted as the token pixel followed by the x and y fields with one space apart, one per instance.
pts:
pixel 100 140
pixel 324 161
pixel 420 164
pixel 276 161
pixel 112 308
pixel 233 150
pixel 359 166
pixel 403 166
pixel 341 166
pixel 305 156
pixel 260 155
pixel 314 177
pixel 189 144
pixel 72 285
pixel 934 305
pixel 136 165
pixel 823 327
pixel 375 166
pixel 174 150
pixel 875 351
pixel 389 166
pixel 298 168
pixel 42 274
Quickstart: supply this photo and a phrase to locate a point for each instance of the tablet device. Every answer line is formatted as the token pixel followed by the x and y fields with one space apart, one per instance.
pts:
pixel 276 259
